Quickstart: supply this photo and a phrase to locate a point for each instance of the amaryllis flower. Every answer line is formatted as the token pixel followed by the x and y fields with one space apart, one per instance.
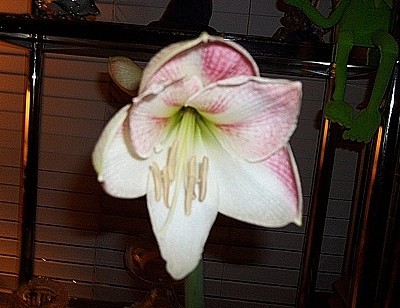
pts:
pixel 205 134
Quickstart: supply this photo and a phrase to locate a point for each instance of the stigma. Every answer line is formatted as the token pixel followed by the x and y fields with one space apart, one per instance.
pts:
pixel 190 174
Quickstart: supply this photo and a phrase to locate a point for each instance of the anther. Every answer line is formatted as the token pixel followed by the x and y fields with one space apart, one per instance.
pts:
pixel 190 185
pixel 171 161
pixel 166 182
pixel 155 170
pixel 203 178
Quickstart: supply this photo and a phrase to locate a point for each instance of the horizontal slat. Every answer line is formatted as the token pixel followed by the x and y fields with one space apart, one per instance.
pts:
pixel 9 211
pixel 8 281
pixel 66 163
pixel 109 258
pixel 9 264
pixel 227 6
pixel 74 108
pixel 9 247
pixel 140 15
pixel 69 182
pixel 232 22
pixel 325 280
pixel 69 200
pixel 65 271
pixel 9 193
pixel 223 220
pixel 126 225
pixel 13 64
pixel 330 263
pixel 125 207
pixel 71 127
pixel 261 274
pixel 258 292
pixel 149 3
pixel 341 189
pixel 12 83
pixel 259 7
pixel 12 49
pixel 63 235
pixel 256 23
pixel 116 277
pixel 10 139
pixel 257 238
pixel 78 289
pixel 77 89
pixel 339 209
pixel 65 253
pixel 67 144
pixel 75 67
pixel 336 227
pixel 217 302
pixel 212 269
pixel 9 229
pixel 12 102
pixel 306 132
pixel 124 295
pixel 19 7
pixel 11 120
pixel 10 175
pixel 333 245
pixel 70 219
pixel 10 157
pixel 253 256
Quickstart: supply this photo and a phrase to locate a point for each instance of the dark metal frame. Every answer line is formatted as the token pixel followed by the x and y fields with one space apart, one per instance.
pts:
pixel 53 35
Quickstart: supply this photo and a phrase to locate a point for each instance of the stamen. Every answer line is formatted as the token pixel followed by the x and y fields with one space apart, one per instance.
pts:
pixel 203 179
pixel 166 182
pixel 191 183
pixel 155 170
pixel 171 161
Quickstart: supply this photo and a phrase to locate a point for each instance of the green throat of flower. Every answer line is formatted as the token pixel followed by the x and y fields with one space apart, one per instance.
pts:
pixel 181 166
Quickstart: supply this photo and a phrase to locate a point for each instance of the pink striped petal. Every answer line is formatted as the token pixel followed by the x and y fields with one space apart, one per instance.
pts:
pixel 210 58
pixel 221 60
pixel 253 116
pixel 284 166
pixel 267 194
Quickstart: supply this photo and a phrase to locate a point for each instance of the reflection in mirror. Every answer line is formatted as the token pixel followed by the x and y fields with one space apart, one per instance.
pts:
pixel 73 8
pixel 187 15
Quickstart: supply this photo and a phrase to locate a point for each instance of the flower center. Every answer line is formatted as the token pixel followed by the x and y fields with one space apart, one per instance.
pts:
pixel 181 166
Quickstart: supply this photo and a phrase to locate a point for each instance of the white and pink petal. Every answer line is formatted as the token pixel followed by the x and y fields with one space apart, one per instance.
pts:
pixel 210 58
pixel 266 194
pixel 181 233
pixel 120 171
pixel 152 116
pixel 182 239
pixel 251 117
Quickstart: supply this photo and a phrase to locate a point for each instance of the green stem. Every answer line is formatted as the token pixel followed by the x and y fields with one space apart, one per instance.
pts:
pixel 194 289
